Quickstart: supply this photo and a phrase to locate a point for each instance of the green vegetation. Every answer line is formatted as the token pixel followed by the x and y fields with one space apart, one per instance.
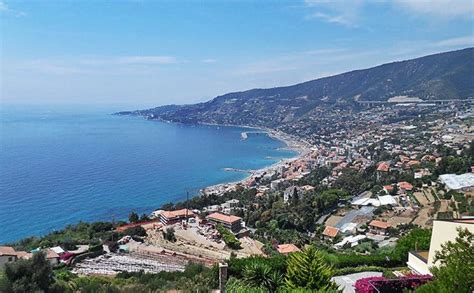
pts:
pixel 169 234
pixel 309 270
pixel 28 275
pixel 229 238
pixel 416 239
pixel 305 271
pixel 133 217
pixel 70 236
pixel 36 275
pixel 455 273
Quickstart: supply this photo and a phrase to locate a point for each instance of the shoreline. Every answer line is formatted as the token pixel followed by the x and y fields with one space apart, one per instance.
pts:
pixel 301 147
pixel 292 143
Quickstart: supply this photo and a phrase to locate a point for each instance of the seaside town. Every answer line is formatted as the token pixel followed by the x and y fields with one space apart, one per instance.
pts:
pixel 380 191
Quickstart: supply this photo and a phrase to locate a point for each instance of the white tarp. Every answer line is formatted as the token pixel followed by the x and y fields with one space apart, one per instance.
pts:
pixel 387 200
pixel 453 181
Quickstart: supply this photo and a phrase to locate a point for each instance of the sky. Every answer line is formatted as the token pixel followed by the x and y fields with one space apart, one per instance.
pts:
pixel 140 53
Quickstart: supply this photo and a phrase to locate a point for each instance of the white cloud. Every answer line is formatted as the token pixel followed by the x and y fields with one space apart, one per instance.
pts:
pixel 349 13
pixel 460 41
pixel 7 10
pixel 338 19
pixel 441 8
pixel 341 12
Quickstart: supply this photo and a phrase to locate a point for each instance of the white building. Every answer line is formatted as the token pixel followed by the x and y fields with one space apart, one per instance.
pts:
pixel 458 182
pixel 443 231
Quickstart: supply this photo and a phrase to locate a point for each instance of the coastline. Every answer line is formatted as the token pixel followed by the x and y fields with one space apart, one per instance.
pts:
pixel 301 147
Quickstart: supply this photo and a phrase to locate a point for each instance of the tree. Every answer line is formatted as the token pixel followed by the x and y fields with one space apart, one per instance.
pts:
pixel 230 240
pixel 169 234
pixel 31 275
pixel 455 272
pixel 133 217
pixel 416 239
pixel 135 231
pixel 144 218
pixel 309 270
pixel 258 274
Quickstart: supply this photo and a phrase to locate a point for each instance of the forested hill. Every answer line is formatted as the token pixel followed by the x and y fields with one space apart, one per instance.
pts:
pixel 447 75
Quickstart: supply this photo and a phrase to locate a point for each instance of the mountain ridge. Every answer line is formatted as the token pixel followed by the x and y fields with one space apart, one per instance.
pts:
pixel 446 75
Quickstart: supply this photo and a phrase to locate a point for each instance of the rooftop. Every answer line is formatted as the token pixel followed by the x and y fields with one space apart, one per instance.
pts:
pixel 177 213
pixel 453 181
pixel 287 248
pixel 224 218
pixel 7 250
pixel 330 231
pixel 380 224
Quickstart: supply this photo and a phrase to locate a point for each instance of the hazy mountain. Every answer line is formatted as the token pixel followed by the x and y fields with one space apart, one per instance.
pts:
pixel 447 75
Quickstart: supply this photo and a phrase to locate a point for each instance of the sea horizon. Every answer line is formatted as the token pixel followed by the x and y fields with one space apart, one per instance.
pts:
pixel 62 164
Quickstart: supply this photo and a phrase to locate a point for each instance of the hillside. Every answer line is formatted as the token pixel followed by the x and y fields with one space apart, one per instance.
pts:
pixel 447 75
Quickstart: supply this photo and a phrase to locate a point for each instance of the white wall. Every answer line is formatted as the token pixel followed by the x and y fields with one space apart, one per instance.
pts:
pixel 444 231
pixel 417 265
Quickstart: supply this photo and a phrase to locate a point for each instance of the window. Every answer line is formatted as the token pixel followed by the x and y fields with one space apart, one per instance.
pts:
pixel 10 258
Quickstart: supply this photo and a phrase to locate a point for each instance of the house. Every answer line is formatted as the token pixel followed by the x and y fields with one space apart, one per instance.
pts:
pixel 7 255
pixel 443 231
pixel 421 173
pixel 388 188
pixel 350 240
pixel 275 184
pixel 233 223
pixel 172 217
pixel 289 193
pixel 287 248
pixel 307 188
pixel 383 167
pixel 330 233
pixel 379 227
pixel 52 257
pixel 404 186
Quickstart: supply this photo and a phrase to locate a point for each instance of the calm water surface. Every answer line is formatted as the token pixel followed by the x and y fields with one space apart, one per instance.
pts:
pixel 62 165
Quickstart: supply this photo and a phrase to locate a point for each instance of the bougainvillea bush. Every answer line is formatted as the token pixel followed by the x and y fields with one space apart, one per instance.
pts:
pixel 383 284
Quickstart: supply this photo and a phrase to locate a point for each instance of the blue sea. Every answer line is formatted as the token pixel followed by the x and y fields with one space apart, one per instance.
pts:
pixel 61 165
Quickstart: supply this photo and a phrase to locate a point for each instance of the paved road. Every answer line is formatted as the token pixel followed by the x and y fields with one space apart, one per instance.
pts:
pixel 347 282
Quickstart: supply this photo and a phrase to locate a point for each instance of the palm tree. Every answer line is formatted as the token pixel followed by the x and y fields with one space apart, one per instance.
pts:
pixel 258 274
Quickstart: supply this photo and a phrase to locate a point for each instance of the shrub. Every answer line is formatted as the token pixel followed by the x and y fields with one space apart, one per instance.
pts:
pixel 135 231
pixel 383 284
pixel 169 234
pixel 230 240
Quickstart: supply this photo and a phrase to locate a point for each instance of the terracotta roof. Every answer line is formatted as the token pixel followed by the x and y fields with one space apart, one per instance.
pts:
pixel 413 163
pixel 143 224
pixel 383 167
pixel 51 254
pixel 24 254
pixel 177 213
pixel 287 248
pixel 388 187
pixel 7 250
pixel 223 218
pixel 380 224
pixel 405 185
pixel 330 231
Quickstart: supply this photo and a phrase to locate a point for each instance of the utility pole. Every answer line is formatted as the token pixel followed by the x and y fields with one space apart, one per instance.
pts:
pixel 187 206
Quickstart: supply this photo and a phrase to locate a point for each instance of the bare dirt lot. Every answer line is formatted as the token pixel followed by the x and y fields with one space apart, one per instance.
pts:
pixel 190 242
